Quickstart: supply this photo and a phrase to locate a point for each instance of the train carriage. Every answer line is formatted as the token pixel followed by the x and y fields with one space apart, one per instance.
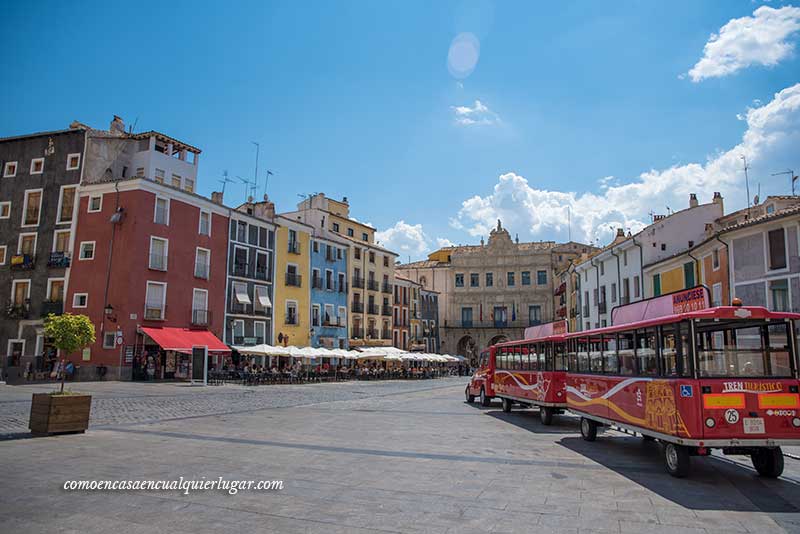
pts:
pixel 715 378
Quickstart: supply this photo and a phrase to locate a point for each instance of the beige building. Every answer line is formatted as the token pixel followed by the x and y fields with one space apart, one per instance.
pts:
pixel 370 268
pixel 491 292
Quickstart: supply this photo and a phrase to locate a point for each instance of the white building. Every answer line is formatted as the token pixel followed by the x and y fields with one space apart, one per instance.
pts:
pixel 615 276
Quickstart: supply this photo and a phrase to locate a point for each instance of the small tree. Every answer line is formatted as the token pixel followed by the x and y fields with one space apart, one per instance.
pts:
pixel 70 333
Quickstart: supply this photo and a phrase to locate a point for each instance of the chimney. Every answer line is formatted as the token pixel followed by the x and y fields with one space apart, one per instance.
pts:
pixel 117 125
pixel 265 210
pixel 692 200
pixel 344 199
pixel 718 200
pixel 216 197
pixel 620 232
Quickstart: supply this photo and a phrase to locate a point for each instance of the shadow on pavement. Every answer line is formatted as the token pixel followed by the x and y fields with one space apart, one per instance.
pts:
pixel 713 483
pixel 529 420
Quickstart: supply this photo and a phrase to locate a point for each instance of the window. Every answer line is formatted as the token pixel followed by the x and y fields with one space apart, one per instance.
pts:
pixel 779 295
pixel 688 274
pixel 386 261
pixel 3 253
pixel 466 317
pixel 315 315
pixel 350 232
pixel 315 245
pixel 541 277
pixel 742 352
pixel 357 253
pixel 32 207
pixel 80 300
pixel 10 169
pixel 371 257
pixel 37 165
pixel 777 249
pixel 241 260
pixel 66 204
pixel 176 181
pixel 625 258
pixel 86 250
pixel 656 285
pixel 339 254
pixel 95 204
pixel 140 172
pixel 500 314
pixel 262 272
pixel 342 283
pixel 61 241
pixel 534 315
pixel 241 232
pixel 205 223
pixel 260 331
pixel 109 339
pixel 240 293
pixel 262 302
pixel 510 279
pixel 329 280
pixel 526 278
pixel 770 209
pixel 162 211
pixel 715 259
pixel 5 210
pixel 336 227
pixel 716 294
pixel 602 268
pixel 636 290
pixel 291 312
pixel 202 263
pixel 238 331
pixel 474 280
pixel 663 246
pixel 155 301
pixel 159 175
pixel 459 279
pixel 489 279
pixel 342 316
pixel 158 253
pixel 27 244
pixel 73 161
pixel 188 185
pixel 613 292
pixel 55 289
pixel 646 352
pixel 199 307
pixel 364 237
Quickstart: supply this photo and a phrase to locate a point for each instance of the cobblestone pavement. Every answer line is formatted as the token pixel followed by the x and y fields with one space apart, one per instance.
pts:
pixel 116 403
pixel 372 458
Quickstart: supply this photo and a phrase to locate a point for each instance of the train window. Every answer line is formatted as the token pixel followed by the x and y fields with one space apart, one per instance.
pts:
pixel 500 358
pixel 572 355
pixel 596 354
pixel 583 355
pixel 646 354
pixel 779 350
pixel 559 356
pixel 732 352
pixel 541 353
pixel 670 350
pixel 517 358
pixel 610 360
pixel 627 356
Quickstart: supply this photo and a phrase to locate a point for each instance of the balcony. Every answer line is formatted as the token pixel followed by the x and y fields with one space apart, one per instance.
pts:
pixel 333 321
pixel 293 247
pixel 201 270
pixel 294 279
pixel 466 324
pixel 386 310
pixel 291 318
pixel 357 332
pixel 373 285
pixel 262 273
pixel 18 311
pixel 59 260
pixel 373 309
pixel 386 287
pixel 372 334
pixel 358 282
pixel 56 307
pixel 316 282
pixel 201 317
pixel 158 262
pixel 239 269
pixel 386 334
pixel 601 307
pixel 357 307
pixel 23 262
pixel 153 312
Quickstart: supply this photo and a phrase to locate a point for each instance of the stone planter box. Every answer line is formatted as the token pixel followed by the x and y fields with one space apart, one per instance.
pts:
pixel 58 414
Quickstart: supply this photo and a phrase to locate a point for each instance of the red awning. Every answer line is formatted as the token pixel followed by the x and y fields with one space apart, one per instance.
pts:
pixel 183 339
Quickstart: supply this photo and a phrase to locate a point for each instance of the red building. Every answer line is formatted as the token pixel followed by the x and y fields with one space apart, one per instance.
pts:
pixel 149 266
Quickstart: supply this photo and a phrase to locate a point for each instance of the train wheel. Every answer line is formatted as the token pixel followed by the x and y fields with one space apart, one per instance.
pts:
pixel 470 398
pixel 506 405
pixel 546 415
pixel 768 462
pixel 484 399
pixel 676 460
pixel 588 429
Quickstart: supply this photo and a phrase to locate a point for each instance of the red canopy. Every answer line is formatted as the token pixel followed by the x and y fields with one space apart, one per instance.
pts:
pixel 183 339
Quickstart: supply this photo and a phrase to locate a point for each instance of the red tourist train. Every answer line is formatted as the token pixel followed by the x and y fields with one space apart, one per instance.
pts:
pixel 708 378
pixel 531 372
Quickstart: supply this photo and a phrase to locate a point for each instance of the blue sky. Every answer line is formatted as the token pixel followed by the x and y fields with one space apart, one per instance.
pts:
pixel 356 99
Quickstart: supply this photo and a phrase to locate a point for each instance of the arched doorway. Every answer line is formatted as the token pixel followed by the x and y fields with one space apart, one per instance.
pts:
pixel 500 338
pixel 467 348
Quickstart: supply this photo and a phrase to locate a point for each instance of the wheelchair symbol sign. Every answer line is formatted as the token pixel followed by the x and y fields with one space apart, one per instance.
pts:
pixel 686 391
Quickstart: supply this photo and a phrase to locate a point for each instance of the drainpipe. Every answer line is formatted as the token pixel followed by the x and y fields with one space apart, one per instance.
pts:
pixel 696 267
pixel 597 275
pixel 728 262
pixel 641 266
pixel 619 280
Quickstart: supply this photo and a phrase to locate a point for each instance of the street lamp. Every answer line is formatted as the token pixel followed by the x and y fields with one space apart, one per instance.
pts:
pixel 109 313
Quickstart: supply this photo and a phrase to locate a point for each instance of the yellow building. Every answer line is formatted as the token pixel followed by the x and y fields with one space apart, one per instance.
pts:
pixel 292 306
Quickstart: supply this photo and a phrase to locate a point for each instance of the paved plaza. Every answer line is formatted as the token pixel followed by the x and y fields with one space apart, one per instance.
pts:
pixel 362 457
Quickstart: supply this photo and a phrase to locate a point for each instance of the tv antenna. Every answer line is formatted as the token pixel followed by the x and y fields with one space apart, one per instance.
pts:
pixel 791 173
pixel 746 183
pixel 248 187
pixel 225 181
pixel 266 182
pixel 255 174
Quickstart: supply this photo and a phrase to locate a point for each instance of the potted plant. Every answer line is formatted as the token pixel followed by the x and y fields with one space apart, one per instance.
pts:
pixel 63 411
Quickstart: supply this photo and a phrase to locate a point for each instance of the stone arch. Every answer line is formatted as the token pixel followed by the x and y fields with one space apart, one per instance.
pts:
pixel 499 338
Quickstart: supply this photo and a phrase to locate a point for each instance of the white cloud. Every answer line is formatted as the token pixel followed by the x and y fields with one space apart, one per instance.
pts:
pixel 443 242
pixel 770 142
pixel 763 39
pixel 479 113
pixel 405 239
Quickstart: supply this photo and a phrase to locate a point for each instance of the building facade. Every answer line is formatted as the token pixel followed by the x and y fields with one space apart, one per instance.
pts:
pixel 292 294
pixel 38 216
pixel 430 320
pixel 401 313
pixel 328 293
